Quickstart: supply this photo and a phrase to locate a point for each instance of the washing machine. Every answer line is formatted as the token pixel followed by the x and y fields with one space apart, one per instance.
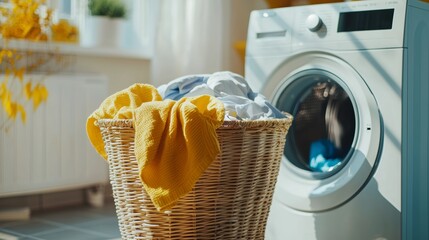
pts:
pixel 355 77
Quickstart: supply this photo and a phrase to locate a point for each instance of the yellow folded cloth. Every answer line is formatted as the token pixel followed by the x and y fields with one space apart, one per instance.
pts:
pixel 175 142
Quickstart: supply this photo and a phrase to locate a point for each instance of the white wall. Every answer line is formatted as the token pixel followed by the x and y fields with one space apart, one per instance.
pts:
pixel 122 72
pixel 240 12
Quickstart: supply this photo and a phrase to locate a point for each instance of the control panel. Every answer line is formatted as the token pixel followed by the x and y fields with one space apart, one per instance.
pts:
pixel 339 26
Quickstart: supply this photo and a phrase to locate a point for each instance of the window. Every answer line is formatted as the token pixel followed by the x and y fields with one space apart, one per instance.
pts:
pixel 140 27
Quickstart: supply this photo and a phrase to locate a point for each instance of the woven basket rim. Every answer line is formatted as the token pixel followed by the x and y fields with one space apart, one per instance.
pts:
pixel 129 123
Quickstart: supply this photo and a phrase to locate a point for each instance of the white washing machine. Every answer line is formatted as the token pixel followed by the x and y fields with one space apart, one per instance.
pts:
pixel 355 76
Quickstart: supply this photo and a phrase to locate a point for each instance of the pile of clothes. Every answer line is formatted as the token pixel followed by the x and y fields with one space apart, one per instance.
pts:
pixel 240 102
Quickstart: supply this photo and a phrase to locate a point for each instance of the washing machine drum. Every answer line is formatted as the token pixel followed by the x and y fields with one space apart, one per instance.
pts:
pixel 331 148
pixel 324 126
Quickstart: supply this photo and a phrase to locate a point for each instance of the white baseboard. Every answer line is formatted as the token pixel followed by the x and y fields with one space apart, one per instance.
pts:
pixel 14 214
pixel 5 236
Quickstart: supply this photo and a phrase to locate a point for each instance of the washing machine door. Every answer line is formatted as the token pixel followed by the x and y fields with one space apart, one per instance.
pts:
pixel 331 150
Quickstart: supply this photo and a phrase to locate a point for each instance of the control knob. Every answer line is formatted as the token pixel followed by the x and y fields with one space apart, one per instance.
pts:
pixel 313 22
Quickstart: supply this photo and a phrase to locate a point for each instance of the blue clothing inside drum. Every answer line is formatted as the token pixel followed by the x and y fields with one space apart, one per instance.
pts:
pixel 323 156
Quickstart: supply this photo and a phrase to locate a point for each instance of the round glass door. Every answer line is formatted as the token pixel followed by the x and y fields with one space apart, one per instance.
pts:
pixel 332 147
pixel 324 126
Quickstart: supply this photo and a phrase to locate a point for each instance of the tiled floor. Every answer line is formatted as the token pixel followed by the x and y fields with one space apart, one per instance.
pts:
pixel 82 223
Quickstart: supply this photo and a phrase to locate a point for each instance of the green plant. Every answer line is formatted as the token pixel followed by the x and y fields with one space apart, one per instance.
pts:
pixel 108 8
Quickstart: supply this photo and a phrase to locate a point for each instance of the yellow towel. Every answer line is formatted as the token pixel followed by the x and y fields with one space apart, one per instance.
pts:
pixel 175 141
pixel 119 106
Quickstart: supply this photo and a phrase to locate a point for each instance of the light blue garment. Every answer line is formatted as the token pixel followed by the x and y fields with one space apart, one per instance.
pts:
pixel 232 89
pixel 323 156
pixel 179 87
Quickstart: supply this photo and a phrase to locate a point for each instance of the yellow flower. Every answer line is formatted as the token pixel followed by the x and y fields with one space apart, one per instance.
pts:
pixel 5 53
pixel 21 110
pixel 19 73
pixel 23 21
pixel 27 91
pixel 12 108
pixel 63 31
pixel 9 106
pixel 39 95
pixel 3 90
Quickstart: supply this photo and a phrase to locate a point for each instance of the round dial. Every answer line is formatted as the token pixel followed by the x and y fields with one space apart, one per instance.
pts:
pixel 313 22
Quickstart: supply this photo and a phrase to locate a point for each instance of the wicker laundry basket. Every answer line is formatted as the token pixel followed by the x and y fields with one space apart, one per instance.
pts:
pixel 230 201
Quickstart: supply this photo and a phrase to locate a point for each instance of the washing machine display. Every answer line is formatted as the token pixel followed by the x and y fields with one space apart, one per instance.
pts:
pixel 353 76
pixel 365 20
